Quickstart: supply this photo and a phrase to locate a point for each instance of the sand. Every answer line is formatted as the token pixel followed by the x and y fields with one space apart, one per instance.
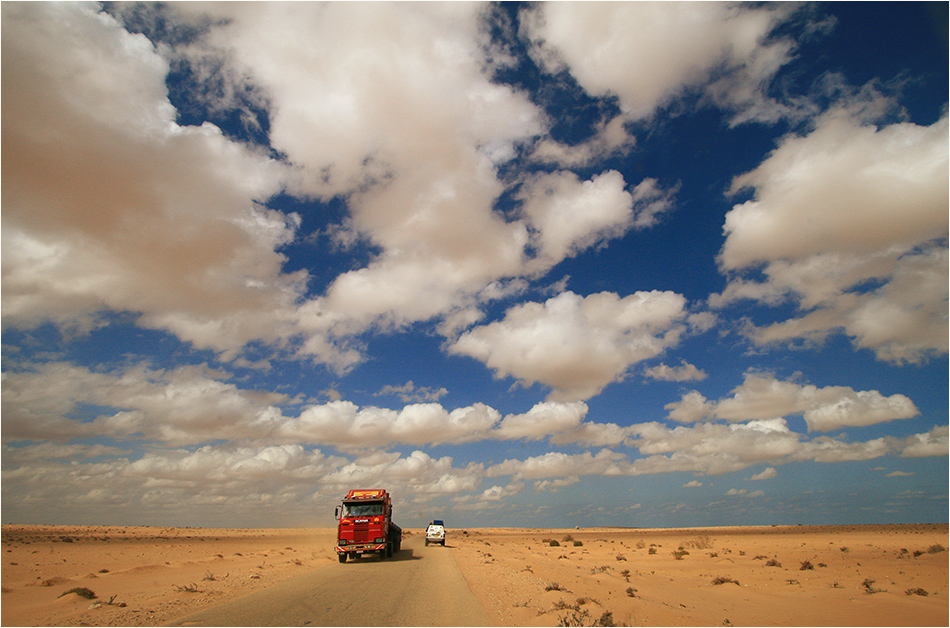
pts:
pixel 755 576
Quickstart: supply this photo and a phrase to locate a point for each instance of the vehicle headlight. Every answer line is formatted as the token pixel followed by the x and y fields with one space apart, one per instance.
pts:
pixel 341 542
pixel 379 540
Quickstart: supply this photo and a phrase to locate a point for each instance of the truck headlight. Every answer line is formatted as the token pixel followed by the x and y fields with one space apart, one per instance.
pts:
pixel 341 542
pixel 379 540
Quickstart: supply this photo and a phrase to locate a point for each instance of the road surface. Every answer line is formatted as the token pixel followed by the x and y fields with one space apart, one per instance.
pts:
pixel 418 586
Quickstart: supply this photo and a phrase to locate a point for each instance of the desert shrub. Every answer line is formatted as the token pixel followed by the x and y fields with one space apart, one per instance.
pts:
pixel 81 592
pixel 806 565
pixel 209 577
pixel 103 571
pixel 678 554
pixel 936 549
pixel 561 605
pixel 641 544
pixel 868 585
pixel 554 543
pixel 553 586
pixel 574 618
pixel 699 542
pixel 188 588
pixel 917 591
pixel 625 574
pixel 621 557
pixel 578 544
pixel 568 538
pixel 714 554
pixel 631 591
pixel 845 549
pixel 724 580
pixel 601 569
pixel 652 550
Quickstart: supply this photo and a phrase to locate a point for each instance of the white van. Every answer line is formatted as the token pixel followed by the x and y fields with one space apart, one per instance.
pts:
pixel 435 533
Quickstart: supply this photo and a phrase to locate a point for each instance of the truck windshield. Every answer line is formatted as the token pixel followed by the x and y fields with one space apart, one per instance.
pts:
pixel 371 509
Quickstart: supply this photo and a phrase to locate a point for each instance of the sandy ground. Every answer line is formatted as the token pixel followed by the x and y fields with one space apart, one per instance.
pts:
pixel 858 575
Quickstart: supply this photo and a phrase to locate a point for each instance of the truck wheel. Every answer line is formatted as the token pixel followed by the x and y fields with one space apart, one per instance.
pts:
pixel 427 542
pixel 342 557
pixel 443 542
pixel 389 550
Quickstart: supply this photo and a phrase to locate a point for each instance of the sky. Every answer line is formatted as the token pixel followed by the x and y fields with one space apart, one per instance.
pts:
pixel 535 265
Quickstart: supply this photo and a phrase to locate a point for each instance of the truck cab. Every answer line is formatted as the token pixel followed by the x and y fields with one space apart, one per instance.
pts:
pixel 365 525
pixel 435 532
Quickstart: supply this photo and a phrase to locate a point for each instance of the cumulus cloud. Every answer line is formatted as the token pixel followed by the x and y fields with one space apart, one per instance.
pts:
pixel 724 50
pixel 110 205
pixel 846 206
pixel 577 345
pixel 824 409
pixel 685 372
pixel 765 474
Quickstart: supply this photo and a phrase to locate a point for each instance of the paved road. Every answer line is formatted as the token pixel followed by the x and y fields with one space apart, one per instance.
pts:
pixel 418 586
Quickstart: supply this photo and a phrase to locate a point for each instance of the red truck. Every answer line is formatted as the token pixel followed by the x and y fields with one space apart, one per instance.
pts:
pixel 365 525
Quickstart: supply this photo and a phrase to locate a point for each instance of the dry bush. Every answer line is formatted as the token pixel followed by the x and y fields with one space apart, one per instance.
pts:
pixel 917 591
pixel 773 563
pixel 678 554
pixel 567 538
pixel 188 588
pixel 700 542
pixel 631 591
pixel 81 592
pixel 868 585
pixel 554 586
pixel 724 580
pixel 806 565
pixel 652 550
pixel 936 549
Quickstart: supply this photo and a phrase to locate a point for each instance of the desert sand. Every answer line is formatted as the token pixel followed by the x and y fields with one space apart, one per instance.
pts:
pixel 886 575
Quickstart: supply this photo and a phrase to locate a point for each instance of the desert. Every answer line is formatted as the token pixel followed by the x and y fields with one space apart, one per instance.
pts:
pixel 870 575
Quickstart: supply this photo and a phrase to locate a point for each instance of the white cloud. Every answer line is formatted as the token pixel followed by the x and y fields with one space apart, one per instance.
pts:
pixel 577 345
pixel 933 443
pixel 542 420
pixel 677 47
pixel 109 205
pixel 556 464
pixel 693 484
pixel 824 409
pixel 567 215
pixel 765 474
pixel 684 373
pixel 848 204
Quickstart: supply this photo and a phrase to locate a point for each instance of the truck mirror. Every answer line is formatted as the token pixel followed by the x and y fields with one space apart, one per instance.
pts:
pixel 336 512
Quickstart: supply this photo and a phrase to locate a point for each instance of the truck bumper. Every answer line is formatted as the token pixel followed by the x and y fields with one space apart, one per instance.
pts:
pixel 361 548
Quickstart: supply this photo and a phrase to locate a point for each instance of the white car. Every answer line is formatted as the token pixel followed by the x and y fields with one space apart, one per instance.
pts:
pixel 435 533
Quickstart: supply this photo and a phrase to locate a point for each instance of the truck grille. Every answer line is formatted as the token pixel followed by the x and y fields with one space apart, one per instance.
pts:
pixel 361 534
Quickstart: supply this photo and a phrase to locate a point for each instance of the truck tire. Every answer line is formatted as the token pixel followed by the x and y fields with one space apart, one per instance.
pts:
pixel 443 542
pixel 341 557
pixel 389 550
pixel 427 542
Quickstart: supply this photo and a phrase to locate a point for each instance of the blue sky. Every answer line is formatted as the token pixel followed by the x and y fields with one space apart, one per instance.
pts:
pixel 551 264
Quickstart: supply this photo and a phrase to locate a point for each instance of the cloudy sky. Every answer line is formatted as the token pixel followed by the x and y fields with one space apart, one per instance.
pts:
pixel 532 265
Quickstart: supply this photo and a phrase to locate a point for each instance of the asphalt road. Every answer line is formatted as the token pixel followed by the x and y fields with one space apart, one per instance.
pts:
pixel 418 586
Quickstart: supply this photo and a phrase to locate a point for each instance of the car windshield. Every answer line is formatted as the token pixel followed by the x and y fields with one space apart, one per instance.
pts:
pixel 371 509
